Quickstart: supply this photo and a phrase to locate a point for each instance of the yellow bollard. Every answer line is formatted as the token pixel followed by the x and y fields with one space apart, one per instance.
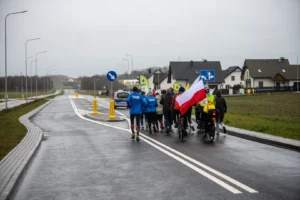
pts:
pixel 23 97
pixel 112 110
pixel 95 106
pixel 76 94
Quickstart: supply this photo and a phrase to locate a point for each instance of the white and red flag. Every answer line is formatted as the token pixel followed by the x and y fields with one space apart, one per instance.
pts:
pixel 192 96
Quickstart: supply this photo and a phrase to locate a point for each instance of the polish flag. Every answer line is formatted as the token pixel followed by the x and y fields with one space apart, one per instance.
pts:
pixel 190 97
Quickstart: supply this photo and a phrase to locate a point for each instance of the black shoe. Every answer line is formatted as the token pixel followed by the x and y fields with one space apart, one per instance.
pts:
pixel 132 136
pixel 224 129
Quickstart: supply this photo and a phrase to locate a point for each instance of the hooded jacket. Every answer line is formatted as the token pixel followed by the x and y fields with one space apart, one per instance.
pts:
pixel 135 101
pixel 151 104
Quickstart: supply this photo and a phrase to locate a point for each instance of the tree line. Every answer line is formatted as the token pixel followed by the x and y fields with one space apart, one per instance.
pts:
pixel 14 83
pixel 101 83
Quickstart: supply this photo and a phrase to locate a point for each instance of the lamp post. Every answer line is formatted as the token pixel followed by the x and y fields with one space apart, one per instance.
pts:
pixel 36 55
pixel 6 95
pixel 26 63
pixel 48 79
pixel 31 76
pixel 127 64
pixel 131 66
pixel 21 86
pixel 297 74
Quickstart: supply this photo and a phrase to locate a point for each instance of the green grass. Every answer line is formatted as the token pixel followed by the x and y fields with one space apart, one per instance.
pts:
pixel 12 131
pixel 18 95
pixel 91 92
pixel 275 114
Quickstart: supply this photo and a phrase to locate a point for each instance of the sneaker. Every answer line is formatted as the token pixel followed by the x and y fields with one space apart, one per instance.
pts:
pixel 133 136
pixel 137 138
pixel 224 129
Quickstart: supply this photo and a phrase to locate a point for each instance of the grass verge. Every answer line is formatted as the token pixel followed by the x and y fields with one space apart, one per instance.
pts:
pixel 12 131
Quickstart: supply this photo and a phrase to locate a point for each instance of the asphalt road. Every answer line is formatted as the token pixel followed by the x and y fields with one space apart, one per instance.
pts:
pixel 79 159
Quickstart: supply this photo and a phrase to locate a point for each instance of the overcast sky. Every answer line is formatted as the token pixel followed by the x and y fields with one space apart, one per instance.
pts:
pixel 84 37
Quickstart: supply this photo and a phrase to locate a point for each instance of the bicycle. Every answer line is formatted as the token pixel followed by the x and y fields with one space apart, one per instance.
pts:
pixel 211 126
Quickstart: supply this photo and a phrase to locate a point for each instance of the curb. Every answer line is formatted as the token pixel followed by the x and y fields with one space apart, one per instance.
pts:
pixel 15 163
pixel 263 138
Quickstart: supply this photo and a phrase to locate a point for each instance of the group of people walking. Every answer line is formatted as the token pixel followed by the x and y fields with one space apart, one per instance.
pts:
pixel 158 112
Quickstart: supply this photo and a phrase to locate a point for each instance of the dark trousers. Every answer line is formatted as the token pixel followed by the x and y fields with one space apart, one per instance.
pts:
pixel 159 118
pixel 137 118
pixel 168 117
pixel 151 119
pixel 144 115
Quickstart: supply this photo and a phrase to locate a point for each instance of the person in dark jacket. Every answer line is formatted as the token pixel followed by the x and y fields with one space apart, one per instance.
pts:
pixel 135 102
pixel 221 108
pixel 166 101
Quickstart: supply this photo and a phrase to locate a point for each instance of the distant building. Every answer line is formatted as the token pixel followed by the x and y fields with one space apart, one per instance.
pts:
pixel 269 74
pixel 232 77
pixel 186 72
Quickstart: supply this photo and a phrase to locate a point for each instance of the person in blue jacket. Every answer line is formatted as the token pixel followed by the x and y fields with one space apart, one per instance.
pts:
pixel 135 102
pixel 151 112
pixel 143 113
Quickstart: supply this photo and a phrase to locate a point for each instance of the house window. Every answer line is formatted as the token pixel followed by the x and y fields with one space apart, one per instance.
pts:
pixel 261 84
pixel 233 78
pixel 227 87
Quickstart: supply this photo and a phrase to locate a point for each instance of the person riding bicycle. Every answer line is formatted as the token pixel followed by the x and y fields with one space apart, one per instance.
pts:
pixel 207 105
pixel 135 102
pixel 176 108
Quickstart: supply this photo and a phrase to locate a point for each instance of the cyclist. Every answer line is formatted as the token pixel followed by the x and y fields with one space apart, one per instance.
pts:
pixel 135 102
pixel 211 102
pixel 221 110
pixel 151 112
pixel 176 108
pixel 166 101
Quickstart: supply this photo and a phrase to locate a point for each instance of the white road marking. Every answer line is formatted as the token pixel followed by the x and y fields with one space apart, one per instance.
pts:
pixel 200 171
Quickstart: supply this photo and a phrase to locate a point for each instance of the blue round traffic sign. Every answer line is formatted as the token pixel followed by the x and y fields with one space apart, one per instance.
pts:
pixel 111 76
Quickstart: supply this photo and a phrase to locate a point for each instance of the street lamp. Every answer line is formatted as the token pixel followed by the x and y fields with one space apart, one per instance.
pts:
pixel 36 71
pixel 31 76
pixel 95 86
pixel 131 66
pixel 6 95
pixel 21 86
pixel 128 65
pixel 297 74
pixel 48 79
pixel 26 63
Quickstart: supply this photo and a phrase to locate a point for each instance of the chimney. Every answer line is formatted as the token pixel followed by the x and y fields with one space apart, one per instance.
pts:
pixel 149 71
pixel 281 59
pixel 192 63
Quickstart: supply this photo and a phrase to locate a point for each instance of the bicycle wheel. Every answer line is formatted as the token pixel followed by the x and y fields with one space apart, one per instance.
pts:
pixel 211 132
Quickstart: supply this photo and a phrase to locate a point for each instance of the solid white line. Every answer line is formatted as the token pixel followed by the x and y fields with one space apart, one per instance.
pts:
pixel 212 178
pixel 235 182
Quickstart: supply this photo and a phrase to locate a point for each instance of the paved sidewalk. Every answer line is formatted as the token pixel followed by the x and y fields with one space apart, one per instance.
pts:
pixel 14 164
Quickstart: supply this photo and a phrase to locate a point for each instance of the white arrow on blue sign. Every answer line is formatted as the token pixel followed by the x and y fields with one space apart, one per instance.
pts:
pixel 111 76
pixel 207 75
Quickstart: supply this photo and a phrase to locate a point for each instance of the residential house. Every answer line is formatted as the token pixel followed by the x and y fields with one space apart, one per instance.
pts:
pixel 232 77
pixel 185 72
pixel 160 81
pixel 269 74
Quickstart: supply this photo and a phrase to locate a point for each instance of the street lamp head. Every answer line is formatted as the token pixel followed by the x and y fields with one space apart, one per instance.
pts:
pixel 24 11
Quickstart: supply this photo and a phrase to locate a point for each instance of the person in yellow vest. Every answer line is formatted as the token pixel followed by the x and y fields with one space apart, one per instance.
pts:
pixel 208 104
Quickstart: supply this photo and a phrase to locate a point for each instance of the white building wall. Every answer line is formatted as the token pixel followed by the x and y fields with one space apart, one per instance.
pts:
pixel 237 74
pixel 165 85
pixel 150 80
pixel 267 82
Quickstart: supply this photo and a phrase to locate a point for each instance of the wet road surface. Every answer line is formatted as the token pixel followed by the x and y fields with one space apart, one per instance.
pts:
pixel 82 160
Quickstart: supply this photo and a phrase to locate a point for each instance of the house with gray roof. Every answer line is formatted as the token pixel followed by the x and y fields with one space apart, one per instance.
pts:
pixel 186 72
pixel 269 74
pixel 232 77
